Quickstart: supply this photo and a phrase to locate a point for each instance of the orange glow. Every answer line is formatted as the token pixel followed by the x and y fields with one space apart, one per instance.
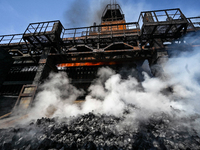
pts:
pixel 85 64
pixel 113 28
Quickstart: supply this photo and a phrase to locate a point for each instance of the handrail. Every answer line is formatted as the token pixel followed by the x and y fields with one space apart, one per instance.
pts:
pixel 102 25
pixel 162 15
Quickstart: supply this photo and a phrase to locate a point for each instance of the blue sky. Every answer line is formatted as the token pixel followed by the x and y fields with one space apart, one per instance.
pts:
pixel 17 14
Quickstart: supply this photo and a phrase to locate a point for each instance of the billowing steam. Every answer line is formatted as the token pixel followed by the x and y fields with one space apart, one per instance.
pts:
pixel 111 94
pixel 55 94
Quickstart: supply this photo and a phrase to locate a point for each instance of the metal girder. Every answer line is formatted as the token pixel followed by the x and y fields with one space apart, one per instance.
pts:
pixel 99 38
pixel 25 98
pixel 85 49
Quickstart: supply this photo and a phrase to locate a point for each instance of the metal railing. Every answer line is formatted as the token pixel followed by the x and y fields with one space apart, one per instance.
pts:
pixel 167 15
pixel 194 23
pixel 83 32
pixel 101 30
pixel 11 39
pixel 41 27
pixel 125 29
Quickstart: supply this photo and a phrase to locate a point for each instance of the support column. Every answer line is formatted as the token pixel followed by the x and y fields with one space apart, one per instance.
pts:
pixel 45 66
pixel 156 63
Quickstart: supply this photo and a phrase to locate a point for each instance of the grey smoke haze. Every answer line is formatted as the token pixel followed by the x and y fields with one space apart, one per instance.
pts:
pixel 85 13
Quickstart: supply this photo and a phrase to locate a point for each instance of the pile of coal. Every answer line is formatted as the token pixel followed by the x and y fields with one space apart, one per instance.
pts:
pixel 91 131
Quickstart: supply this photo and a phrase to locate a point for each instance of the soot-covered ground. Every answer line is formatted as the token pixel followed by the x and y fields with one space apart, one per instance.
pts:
pixel 90 131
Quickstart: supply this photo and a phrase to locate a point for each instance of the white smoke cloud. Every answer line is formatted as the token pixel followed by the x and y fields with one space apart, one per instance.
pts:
pixel 111 94
pixel 54 94
pixel 185 74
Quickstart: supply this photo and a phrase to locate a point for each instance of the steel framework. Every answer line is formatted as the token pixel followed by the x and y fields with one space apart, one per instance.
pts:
pixel 48 46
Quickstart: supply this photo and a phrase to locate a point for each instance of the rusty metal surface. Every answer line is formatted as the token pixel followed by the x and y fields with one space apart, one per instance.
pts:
pixel 25 97
pixel 80 51
pixel 168 23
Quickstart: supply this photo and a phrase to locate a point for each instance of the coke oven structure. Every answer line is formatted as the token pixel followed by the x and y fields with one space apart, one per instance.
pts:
pixel 28 58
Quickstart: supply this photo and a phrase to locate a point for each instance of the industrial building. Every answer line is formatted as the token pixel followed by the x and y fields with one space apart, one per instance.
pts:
pixel 28 58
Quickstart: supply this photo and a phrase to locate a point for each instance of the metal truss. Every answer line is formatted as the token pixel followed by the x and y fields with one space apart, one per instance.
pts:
pixel 47 46
pixel 151 31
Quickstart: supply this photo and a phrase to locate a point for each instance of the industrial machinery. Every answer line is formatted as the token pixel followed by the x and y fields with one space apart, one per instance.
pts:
pixel 28 58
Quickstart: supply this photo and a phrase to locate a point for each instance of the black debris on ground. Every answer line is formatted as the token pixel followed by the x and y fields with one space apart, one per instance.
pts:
pixel 101 132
